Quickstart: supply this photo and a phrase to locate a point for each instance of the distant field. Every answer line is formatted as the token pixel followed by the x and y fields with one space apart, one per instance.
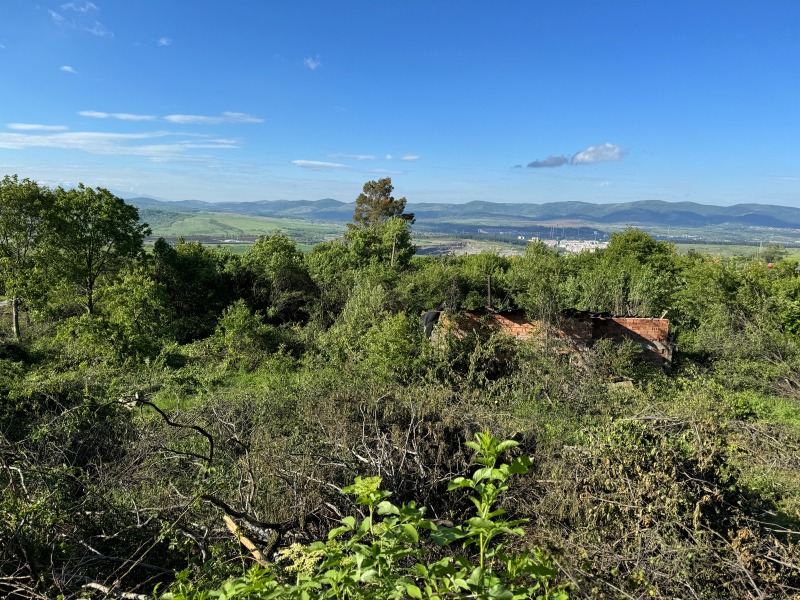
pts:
pixel 731 250
pixel 214 228
pixel 217 229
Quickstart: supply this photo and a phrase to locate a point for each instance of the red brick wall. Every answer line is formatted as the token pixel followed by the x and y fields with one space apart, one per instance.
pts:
pixel 620 328
pixel 582 328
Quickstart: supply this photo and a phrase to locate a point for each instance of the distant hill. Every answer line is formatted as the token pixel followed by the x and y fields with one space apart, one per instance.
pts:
pixel 509 219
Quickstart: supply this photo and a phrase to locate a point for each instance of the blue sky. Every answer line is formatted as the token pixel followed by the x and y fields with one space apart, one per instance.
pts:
pixel 513 101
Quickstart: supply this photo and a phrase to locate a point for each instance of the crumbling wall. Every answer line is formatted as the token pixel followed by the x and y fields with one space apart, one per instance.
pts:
pixel 579 328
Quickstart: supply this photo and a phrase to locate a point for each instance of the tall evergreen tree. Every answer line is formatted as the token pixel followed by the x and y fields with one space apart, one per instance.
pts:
pixel 376 204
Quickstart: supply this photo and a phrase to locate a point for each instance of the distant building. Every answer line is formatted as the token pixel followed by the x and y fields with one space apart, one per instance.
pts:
pixel 576 246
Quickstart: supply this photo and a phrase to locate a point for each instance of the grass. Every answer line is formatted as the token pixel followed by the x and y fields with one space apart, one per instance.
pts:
pixel 222 226
pixel 731 250
pixel 214 228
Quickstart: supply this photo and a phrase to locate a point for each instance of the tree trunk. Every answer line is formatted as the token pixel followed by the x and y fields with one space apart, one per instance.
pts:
pixel 15 317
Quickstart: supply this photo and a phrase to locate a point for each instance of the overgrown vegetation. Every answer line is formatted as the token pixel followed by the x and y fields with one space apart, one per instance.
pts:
pixel 190 423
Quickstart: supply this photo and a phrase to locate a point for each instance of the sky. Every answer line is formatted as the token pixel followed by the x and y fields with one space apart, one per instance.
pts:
pixel 513 101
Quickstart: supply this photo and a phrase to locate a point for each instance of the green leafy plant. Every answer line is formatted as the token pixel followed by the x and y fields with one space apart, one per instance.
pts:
pixel 384 555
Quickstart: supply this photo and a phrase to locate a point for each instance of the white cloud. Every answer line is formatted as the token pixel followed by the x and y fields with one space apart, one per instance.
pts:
pixel 144 144
pixel 98 29
pixel 313 63
pixel 76 16
pixel 595 154
pixel 68 69
pixel 388 157
pixel 81 7
pixel 316 165
pixel 410 157
pixel 36 127
pixel 604 184
pixel 164 41
pixel 121 116
pixel 227 117
pixel 353 156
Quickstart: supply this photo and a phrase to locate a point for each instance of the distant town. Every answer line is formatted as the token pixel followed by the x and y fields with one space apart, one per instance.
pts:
pixel 573 246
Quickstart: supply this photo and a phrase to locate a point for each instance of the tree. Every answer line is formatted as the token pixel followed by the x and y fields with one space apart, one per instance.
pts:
pixel 278 278
pixel 23 209
pixel 376 205
pixel 200 282
pixel 95 235
pixel 387 243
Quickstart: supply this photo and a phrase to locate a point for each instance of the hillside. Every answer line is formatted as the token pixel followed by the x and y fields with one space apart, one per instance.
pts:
pixel 679 219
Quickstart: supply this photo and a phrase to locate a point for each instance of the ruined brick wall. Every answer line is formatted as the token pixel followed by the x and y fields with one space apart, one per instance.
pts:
pixel 581 329
pixel 651 334
pixel 622 328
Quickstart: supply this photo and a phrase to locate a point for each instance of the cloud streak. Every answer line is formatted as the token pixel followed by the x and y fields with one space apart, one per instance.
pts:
pixel 35 127
pixel 226 117
pixel 145 144
pixel 164 41
pixel 353 156
pixel 94 114
pixel 318 165
pixel 593 154
pixel 68 69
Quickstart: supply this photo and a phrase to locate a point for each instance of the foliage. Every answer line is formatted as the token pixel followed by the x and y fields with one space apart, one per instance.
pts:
pixel 384 556
pixel 95 234
pixel 24 209
pixel 214 402
pixel 376 204
pixel 199 282
pixel 278 278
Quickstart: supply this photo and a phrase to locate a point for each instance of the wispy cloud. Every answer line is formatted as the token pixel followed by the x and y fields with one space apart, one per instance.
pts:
pixel 35 127
pixel 154 145
pixel 80 15
pixel 388 157
pixel 68 69
pixel 549 162
pixel 317 165
pixel 313 63
pixel 94 114
pixel 353 156
pixel 164 41
pixel 81 7
pixel 410 157
pixel 98 29
pixel 226 117
pixel 594 154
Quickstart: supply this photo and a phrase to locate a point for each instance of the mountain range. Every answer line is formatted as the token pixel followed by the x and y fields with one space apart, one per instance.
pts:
pixel 507 218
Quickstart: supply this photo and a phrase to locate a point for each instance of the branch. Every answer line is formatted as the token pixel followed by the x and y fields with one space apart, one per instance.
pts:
pixel 210 458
